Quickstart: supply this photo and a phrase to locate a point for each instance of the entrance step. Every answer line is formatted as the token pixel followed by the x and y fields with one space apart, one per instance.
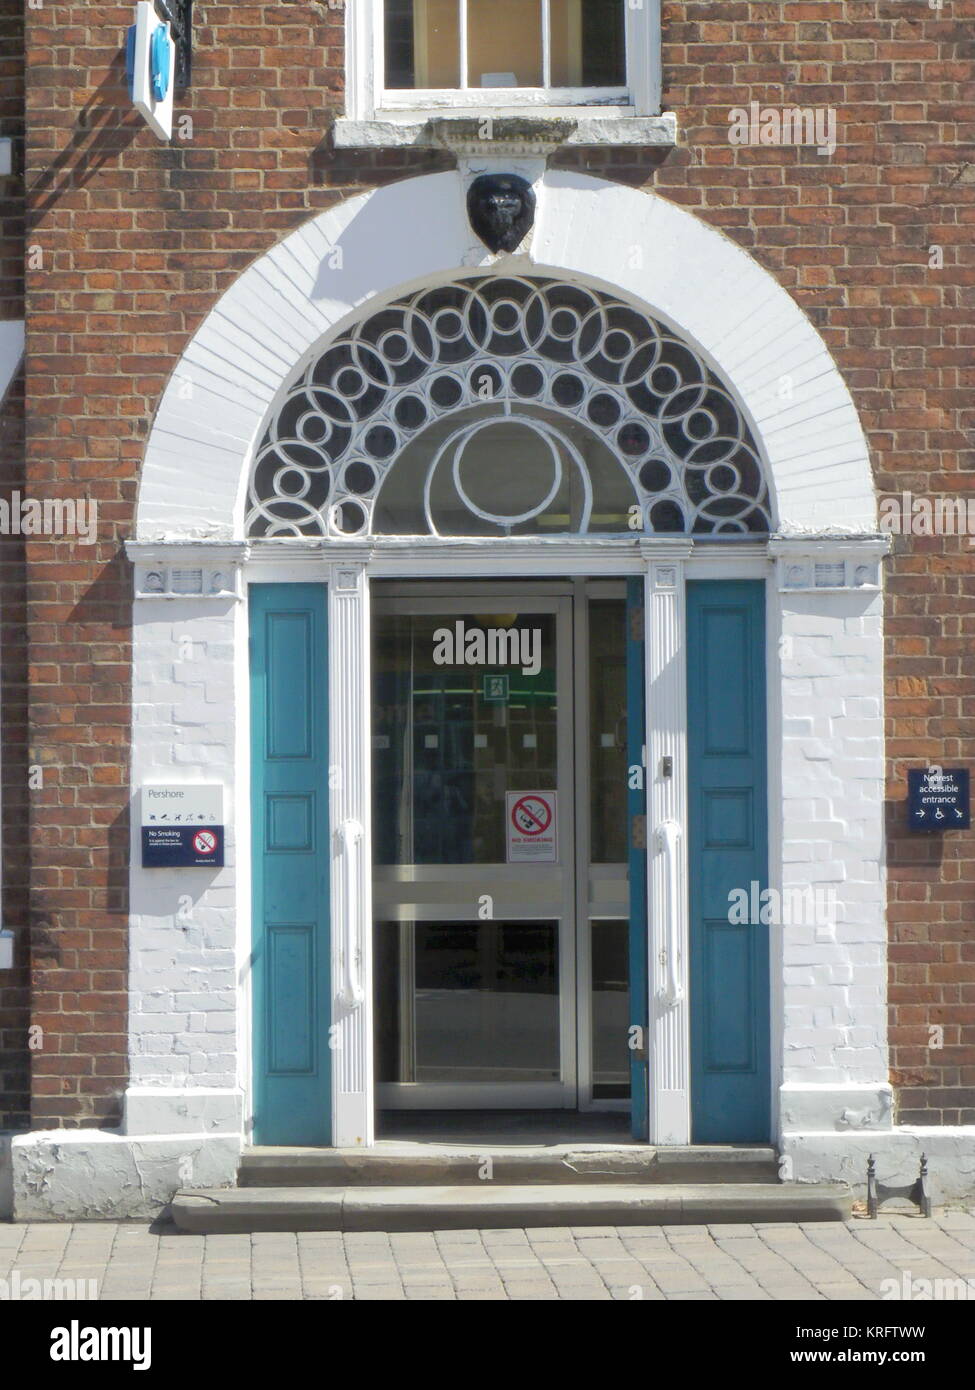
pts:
pixel 494 1206
pixel 451 1165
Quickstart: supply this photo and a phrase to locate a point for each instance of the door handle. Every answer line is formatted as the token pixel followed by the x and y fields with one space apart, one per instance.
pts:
pixel 350 991
pixel 668 843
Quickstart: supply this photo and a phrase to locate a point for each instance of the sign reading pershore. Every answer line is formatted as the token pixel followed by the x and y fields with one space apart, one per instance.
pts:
pixel 182 827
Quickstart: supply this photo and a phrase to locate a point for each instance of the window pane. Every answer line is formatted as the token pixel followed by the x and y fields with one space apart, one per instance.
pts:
pixel 588 48
pixel 610 1010
pixel 445 749
pixel 422 43
pixel 514 479
pixel 468 1001
pixel 607 730
pixel 504 43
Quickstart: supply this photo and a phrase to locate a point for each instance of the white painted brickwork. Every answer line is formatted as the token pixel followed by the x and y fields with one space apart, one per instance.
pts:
pixel 183 967
pixel 835 1011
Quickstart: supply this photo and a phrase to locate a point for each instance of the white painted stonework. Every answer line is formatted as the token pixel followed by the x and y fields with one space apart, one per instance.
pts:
pixel 641 246
pixel 91 1175
pixel 189 961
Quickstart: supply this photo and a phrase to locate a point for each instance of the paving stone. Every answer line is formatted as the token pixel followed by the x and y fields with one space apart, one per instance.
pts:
pixel 786 1262
pixel 736 1292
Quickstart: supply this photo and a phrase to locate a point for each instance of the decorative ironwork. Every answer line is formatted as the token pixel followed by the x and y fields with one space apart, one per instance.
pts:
pixel 616 402
pixel 917 1191
pixel 179 15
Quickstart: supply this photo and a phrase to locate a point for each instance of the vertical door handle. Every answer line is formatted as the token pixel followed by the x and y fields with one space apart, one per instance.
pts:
pixel 668 843
pixel 350 990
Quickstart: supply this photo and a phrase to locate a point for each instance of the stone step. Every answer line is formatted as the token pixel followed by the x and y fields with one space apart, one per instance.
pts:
pixel 490 1205
pixel 412 1165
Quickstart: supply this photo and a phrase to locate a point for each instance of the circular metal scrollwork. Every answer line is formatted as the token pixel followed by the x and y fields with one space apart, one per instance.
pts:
pixel 570 363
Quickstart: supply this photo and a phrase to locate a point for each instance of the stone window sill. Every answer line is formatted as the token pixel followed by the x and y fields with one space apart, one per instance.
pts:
pixel 565 127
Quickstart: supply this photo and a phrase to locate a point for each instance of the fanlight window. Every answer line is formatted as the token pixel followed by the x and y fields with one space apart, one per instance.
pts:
pixel 507 406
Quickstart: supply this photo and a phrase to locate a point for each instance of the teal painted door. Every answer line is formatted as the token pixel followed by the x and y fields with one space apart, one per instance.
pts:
pixel 289 808
pixel 728 851
pixel 636 808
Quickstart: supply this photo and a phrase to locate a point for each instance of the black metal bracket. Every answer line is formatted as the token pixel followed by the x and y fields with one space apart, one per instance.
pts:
pixel 917 1191
pixel 178 14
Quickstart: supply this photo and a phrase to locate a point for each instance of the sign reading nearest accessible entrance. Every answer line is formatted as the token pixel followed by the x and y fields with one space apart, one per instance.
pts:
pixel 182 827
pixel 531 828
pixel 938 798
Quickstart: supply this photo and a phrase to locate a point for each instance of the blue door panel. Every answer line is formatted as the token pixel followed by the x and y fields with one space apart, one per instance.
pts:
pixel 289 1015
pixel 291 952
pixel 728 850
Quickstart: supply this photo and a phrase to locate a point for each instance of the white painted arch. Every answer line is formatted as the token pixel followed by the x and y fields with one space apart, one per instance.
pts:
pixel 410 233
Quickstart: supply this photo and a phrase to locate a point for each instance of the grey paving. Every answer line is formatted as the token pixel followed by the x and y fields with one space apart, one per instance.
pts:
pixel 804 1261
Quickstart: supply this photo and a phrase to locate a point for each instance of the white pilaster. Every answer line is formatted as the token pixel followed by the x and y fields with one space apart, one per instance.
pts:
pixel 666 715
pixel 349 780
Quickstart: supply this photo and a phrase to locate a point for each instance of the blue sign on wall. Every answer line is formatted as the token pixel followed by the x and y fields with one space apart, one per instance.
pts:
pixel 182 847
pixel 938 798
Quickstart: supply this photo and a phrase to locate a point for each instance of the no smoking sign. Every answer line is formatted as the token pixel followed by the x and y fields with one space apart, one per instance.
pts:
pixel 530 825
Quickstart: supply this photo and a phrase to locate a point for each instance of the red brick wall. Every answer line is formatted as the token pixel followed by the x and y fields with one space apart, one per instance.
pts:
pixel 849 237
pixel 139 240
pixel 14 992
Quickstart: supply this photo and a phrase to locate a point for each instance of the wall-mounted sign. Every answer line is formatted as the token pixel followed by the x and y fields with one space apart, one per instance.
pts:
pixel 938 798
pixel 182 827
pixel 531 828
pixel 150 61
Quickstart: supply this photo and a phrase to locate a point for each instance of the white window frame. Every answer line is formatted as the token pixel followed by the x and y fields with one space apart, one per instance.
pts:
pixel 368 100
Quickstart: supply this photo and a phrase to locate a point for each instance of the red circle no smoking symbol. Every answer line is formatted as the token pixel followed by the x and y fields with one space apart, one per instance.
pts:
pixel 531 815
pixel 204 842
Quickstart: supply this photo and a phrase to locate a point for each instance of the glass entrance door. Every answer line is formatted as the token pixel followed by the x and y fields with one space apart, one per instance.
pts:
pixel 496 799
